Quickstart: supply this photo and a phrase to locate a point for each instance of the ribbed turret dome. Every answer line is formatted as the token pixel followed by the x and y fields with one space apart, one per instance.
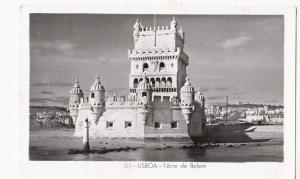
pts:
pixel 187 87
pixel 97 85
pixel 144 85
pixel 76 89
pixel 200 94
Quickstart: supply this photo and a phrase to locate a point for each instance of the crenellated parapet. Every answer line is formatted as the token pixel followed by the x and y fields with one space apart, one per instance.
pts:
pixel 74 106
pixel 121 104
pixel 84 106
pixel 158 36
pixel 159 30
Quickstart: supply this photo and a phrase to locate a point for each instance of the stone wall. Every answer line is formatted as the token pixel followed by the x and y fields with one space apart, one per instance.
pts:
pixel 119 118
pixel 166 117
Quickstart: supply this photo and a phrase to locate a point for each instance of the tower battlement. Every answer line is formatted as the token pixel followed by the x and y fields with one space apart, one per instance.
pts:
pixel 158 36
pixel 161 30
pixel 119 101
pixel 84 105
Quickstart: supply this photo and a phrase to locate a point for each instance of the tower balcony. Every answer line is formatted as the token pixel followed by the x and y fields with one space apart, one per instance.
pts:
pixel 157 89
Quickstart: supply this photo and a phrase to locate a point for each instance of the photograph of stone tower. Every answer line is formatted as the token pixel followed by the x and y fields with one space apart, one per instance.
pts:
pixel 156 87
pixel 162 102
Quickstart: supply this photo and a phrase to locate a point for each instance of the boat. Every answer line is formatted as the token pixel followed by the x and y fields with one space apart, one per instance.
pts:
pixel 228 132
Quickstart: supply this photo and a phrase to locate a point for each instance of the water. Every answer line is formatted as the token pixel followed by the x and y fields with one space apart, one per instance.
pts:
pixel 49 145
pixel 222 154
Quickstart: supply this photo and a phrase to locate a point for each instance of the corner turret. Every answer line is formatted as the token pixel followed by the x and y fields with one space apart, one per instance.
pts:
pixel 76 94
pixel 199 97
pixel 97 99
pixel 173 24
pixel 137 27
pixel 97 92
pixel 144 96
pixel 187 99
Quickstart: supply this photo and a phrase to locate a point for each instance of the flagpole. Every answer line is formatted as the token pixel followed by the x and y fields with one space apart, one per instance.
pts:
pixel 154 30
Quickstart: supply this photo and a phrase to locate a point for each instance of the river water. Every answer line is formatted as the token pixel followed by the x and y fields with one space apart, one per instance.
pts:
pixel 55 145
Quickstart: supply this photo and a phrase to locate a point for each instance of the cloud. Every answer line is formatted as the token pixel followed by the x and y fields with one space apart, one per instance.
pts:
pixel 238 93
pixel 103 60
pixel 215 97
pixel 46 92
pixel 221 88
pixel 235 42
pixel 204 89
pixel 51 50
pixel 64 45
pixel 267 25
pixel 60 100
pixel 65 51
pixel 272 101
pixel 52 83
pixel 59 45
pixel 39 100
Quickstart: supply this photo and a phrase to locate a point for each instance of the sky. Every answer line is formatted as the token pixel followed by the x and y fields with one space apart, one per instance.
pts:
pixel 239 56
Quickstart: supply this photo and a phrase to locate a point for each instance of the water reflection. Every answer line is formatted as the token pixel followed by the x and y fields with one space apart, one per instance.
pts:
pixel 195 154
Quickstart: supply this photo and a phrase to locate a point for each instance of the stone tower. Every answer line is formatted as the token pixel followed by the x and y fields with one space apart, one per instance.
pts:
pixel 76 94
pixel 97 92
pixel 187 93
pixel 158 52
pixel 199 97
pixel 97 99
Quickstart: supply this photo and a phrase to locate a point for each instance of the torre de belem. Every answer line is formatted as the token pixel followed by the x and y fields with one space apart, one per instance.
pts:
pixel 161 102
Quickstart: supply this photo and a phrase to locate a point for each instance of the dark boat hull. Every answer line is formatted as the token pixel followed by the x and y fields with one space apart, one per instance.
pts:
pixel 227 128
pixel 231 133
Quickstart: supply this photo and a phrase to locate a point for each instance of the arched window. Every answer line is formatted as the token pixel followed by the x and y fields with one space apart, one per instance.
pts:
pixel 169 82
pixel 135 83
pixel 163 82
pixel 147 80
pixel 161 65
pixel 157 82
pixel 145 67
pixel 141 79
pixel 152 82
